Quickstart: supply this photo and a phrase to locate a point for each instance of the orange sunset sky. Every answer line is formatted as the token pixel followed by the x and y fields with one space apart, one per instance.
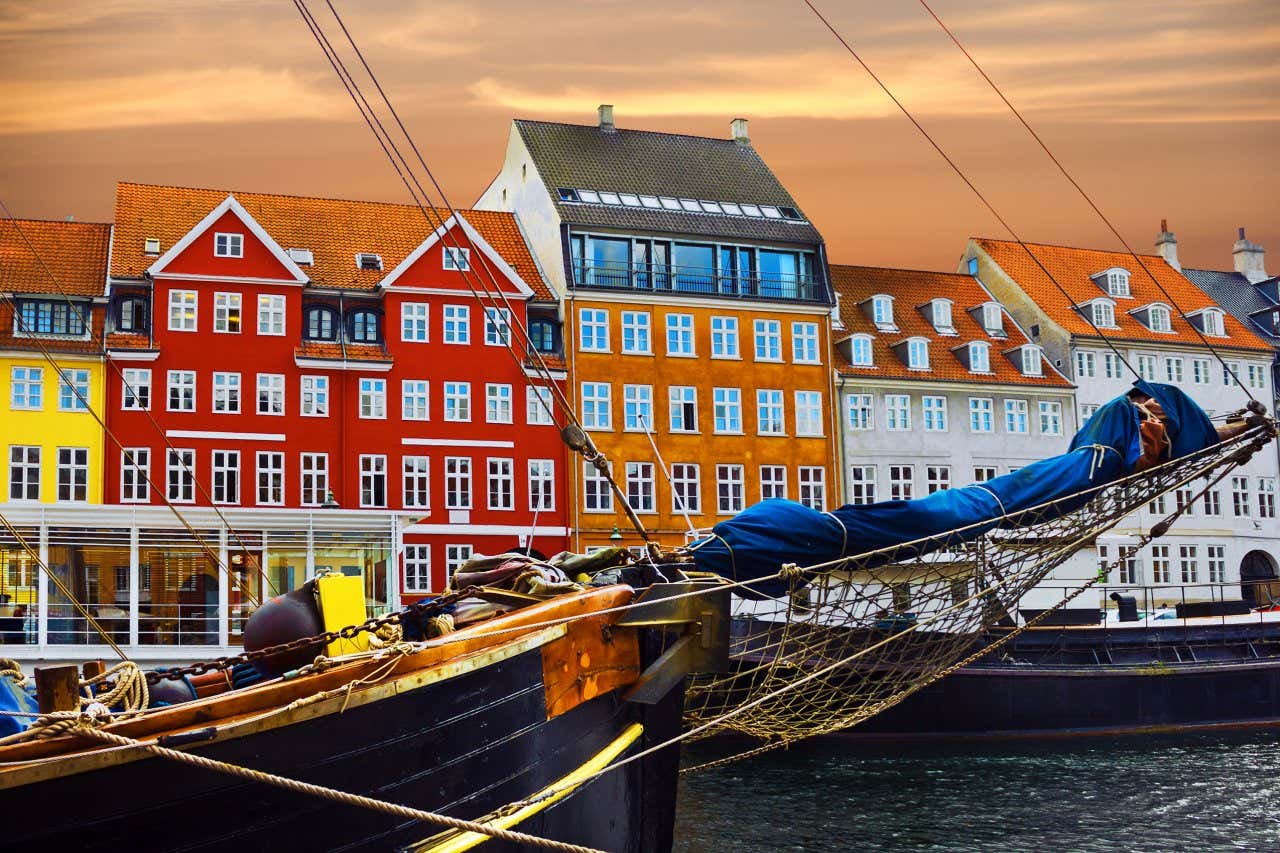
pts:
pixel 1162 108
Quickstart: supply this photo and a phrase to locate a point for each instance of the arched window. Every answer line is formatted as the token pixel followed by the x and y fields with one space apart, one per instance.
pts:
pixel 1159 319
pixel 860 351
pixel 364 327
pixel 942 315
pixel 1031 361
pixel 131 314
pixel 993 318
pixel 882 311
pixel 918 354
pixel 1118 282
pixel 1104 314
pixel 979 358
pixel 320 323
pixel 1213 324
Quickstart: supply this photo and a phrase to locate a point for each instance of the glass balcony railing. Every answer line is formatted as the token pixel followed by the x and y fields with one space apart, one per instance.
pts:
pixel 696 280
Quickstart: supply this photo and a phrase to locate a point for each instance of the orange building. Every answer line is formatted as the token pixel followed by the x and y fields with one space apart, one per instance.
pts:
pixel 696 321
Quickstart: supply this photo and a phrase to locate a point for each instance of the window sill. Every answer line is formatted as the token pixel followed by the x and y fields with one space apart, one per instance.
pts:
pixel 682 355
pixel 726 358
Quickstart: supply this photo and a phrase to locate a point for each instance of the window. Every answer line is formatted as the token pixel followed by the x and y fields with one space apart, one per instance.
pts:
pixel 593 330
pixel 315 478
pixel 416 481
pixel 724 337
pixel 1213 503
pixel 860 351
pixel 635 333
pixel 497 404
pixel 1050 418
pixel 228 245
pixel 637 407
pixel 981 415
pixel 417 567
pixel 135 388
pixel 1147 367
pixel 182 390
pixel 52 317
pixel 640 486
pixel 862 484
pixel 813 486
pixel 73 390
pixel 1173 369
pixel 1257 375
pixel 135 471
pixel 993 318
pixel 414 323
pixel 597 405
pixel 679 334
pixel 456 556
pixel 373 480
pixel 1130 566
pixel 26 385
pixel 1158 319
pixel 226 393
pixel 542 485
pixel 1118 283
pixel 1182 498
pixel 804 343
pixel 457 482
pixel 24 473
pixel 770 417
pixel 73 474
pixel 882 312
pixel 809 413
pixel 1188 563
pixel 1213 323
pixel 918 354
pixel 182 310
pixel 271 394
pixel 1031 361
pixel 683 402
pixel 1087 411
pixel 457 324
pixel 1111 365
pixel 773 482
pixel 538 406
pixel 270 314
pixel 729 498
pixel 1015 416
pixel 1158 505
pixel 1240 497
pixel 686 491
pixel 270 470
pixel 937 478
pixel 1086 364
pixel 768 339
pixel 364 327
pixel 596 492
pixel 1104 315
pixel 226 313
pixel 979 357
pixel 861 411
pixel 935 414
pixel 457 401
pixel 1216 559
pixel 983 473
pixel 226 476
pixel 942 322
pixel 902 482
pixel 315 396
pixel 456 258
pixel 1159 563
pixel 321 323
pixel 373 397
pixel 897 412
pixel 1230 373
pixel 1266 497
pixel 728 409
pixel 497 326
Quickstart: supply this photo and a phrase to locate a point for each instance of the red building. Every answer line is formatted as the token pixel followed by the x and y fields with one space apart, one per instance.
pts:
pixel 312 359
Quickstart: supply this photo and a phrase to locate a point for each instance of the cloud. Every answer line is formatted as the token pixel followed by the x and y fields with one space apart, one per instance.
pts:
pixel 210 95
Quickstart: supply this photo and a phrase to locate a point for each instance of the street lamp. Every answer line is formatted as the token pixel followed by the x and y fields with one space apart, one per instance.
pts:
pixel 616 535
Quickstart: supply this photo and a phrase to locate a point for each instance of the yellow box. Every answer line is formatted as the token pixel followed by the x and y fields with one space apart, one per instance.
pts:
pixel 342 604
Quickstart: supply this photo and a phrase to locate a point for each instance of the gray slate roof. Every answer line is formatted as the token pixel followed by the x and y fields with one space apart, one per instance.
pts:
pixel 1236 295
pixel 650 163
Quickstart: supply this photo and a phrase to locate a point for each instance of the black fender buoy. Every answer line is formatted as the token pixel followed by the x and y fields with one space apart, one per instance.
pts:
pixel 283 619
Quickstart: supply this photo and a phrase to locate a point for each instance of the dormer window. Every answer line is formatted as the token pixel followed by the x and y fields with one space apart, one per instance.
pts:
pixel 993 319
pixel 1212 320
pixel 979 357
pixel 860 351
pixel 228 245
pixel 942 316
pixel 457 259
pixel 1118 282
pixel 369 261
pixel 364 326
pixel 882 312
pixel 918 354
pixel 131 314
pixel 320 323
pixel 1103 313
pixel 1031 361
pixel 1159 319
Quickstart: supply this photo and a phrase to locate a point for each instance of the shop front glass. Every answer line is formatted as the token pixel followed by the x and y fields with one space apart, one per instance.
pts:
pixel 93 566
pixel 19 590
pixel 177 588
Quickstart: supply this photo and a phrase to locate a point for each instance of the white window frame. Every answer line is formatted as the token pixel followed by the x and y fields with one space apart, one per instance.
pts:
pixel 459 492
pixel 1086 364
pixel 538 406
pixel 773 482
pixel 730 490
pixel 135 472
pixel 456 259
pixel 982 415
pixel 457 402
pixel 597 406
pixel 226 389
pixel 228 244
pixel 228 314
pixel 933 412
pixel 637 333
pixel 22 381
pixel 176 380
pixel 725 343
pixel 456 328
pixel 1164 323
pixel 808 408
pixel 637 405
pixel 271 464
pixel 767 338
pixel 918 354
pixel 271 394
pixel 597 495
pixel 593 330
pixel 861 352
pixel 979 357
pixel 135 389
pixel 497 326
pixel 180 470
pixel 860 412
pixel 224 476
pixel 897 412
pixel 271 315
pixel 313 478
pixel 1050 417
pixel 498 405
pixel 74 395
pixel 373 470
pixel 184 310
pixel 937 478
pixel 686 488
pixel 415 400
pixel 681 342
pixel 678 397
pixel 1017 417
pixel 417 567
pixel 415 481
pixel 641 486
pixel 862 484
pixel 542 485
pixel 313 396
pixel 72 475
pixel 902 482
pixel 771 412
pixel 415 322
pixel 805 339
pixel 812 483
pixel 727 411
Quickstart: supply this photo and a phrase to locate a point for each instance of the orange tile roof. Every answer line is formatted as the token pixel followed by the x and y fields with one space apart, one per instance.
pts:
pixel 333 229
pixel 74 252
pixel 551 360
pixel 1072 267
pixel 334 351
pixel 128 340
pixel 911 289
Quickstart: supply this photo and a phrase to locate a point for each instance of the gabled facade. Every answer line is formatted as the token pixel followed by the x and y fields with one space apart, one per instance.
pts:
pixel 1234 534
pixel 696 307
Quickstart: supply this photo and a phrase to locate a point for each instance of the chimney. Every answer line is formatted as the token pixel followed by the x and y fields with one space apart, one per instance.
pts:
pixel 738 131
pixel 1167 246
pixel 1250 259
pixel 605 111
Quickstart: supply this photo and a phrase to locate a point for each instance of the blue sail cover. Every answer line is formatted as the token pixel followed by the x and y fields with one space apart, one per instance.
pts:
pixel 758 541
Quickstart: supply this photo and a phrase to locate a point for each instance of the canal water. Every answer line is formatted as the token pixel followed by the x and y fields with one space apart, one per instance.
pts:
pixel 1187 792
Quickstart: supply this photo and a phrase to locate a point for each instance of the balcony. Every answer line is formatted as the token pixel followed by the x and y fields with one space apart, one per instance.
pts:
pixel 697 281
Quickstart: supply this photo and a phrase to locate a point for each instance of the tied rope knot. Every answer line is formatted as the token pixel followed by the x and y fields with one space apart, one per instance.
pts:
pixel 791 573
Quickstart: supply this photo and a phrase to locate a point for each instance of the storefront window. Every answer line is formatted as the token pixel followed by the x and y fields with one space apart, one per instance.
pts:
pixel 177 588
pixel 93 565
pixel 19 593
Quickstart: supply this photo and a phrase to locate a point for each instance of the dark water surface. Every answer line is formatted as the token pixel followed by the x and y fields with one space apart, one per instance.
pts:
pixel 1185 792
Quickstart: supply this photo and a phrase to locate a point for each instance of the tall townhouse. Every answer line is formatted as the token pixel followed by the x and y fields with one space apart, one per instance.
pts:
pixel 53 276
pixel 696 314
pixel 938 386
pixel 1230 537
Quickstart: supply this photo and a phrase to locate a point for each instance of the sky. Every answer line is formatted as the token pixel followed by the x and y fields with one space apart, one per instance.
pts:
pixel 1160 108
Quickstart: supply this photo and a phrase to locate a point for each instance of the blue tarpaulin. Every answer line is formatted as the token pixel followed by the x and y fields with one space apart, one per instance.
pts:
pixel 758 541
pixel 13 699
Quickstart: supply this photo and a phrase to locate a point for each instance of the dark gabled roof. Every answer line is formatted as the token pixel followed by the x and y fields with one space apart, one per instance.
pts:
pixel 1236 295
pixel 665 164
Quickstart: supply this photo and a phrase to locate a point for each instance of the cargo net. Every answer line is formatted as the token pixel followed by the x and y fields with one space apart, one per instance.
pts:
pixel 859 635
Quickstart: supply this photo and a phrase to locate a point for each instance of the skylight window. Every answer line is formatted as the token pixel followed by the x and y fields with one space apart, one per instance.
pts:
pixel 690 205
pixel 568 194
pixel 751 210
pixel 669 203
pixel 731 208
pixel 610 198
pixel 302 257
pixel 589 196
pixel 711 207
pixel 369 261
pixel 771 212
pixel 630 199
pixel 151 246
pixel 790 213
pixel 650 201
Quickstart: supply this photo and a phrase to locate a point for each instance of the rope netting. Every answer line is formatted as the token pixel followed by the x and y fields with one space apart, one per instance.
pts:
pixel 855 637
